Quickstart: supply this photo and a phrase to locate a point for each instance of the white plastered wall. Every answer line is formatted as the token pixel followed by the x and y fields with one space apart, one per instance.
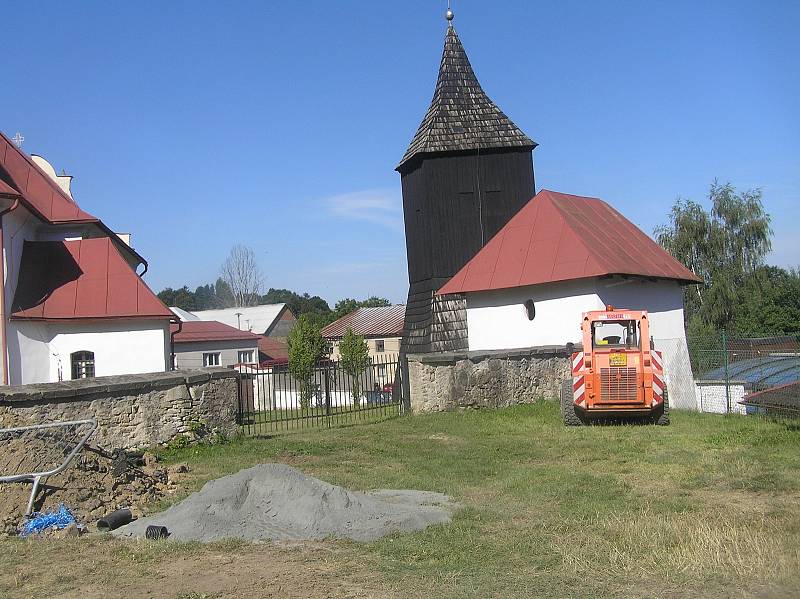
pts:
pixel 18 226
pixel 40 352
pixel 498 320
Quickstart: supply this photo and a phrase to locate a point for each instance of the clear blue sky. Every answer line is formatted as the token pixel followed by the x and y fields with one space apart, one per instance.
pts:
pixel 199 125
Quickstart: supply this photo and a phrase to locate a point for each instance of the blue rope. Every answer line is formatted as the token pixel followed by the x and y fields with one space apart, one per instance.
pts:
pixel 40 522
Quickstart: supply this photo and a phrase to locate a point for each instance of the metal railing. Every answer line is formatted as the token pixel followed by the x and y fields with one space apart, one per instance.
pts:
pixel 272 399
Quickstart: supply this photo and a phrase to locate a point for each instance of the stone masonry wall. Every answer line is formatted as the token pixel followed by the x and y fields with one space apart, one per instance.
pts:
pixel 449 381
pixel 132 411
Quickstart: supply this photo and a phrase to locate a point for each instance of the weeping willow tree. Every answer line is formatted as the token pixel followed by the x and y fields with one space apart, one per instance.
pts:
pixel 725 247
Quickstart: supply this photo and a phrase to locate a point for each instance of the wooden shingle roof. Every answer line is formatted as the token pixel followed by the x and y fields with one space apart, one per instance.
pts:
pixel 461 116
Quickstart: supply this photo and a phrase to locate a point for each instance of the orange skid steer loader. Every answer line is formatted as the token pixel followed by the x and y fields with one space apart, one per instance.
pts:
pixel 618 375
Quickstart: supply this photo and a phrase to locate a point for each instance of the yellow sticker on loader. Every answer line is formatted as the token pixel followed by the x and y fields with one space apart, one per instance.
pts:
pixel 618 360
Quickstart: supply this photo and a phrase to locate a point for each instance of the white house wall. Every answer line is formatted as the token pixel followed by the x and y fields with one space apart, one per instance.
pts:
pixel 28 353
pixel 18 226
pixel 498 320
pixel 190 355
pixel 40 352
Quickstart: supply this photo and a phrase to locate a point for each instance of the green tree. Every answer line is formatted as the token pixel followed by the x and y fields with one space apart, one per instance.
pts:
pixel 354 359
pixel 180 298
pixel 205 297
pixel 223 294
pixel 299 304
pixel 768 304
pixel 724 246
pixel 306 347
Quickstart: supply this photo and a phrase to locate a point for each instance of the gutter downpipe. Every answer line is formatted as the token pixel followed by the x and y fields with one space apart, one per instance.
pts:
pixel 4 345
pixel 179 322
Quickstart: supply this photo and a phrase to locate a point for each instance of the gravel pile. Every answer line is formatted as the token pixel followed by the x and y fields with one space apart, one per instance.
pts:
pixel 275 502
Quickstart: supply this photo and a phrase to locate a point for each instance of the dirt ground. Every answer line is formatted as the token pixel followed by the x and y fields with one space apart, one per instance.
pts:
pixel 105 568
pixel 95 483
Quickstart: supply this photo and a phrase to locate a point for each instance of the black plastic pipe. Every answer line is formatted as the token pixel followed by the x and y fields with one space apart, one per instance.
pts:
pixel 114 520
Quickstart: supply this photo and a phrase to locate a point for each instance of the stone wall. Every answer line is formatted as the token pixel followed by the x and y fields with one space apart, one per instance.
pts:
pixel 132 411
pixel 449 381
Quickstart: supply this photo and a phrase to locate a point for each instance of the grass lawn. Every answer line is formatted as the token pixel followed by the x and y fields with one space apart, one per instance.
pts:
pixel 709 506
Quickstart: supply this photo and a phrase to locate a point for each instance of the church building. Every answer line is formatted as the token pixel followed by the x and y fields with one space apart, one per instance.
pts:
pixel 74 304
pixel 493 266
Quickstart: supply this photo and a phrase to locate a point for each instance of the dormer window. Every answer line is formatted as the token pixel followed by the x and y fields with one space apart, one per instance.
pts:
pixel 82 364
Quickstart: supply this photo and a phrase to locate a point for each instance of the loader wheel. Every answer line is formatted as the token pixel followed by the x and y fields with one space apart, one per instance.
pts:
pixel 568 405
pixel 663 418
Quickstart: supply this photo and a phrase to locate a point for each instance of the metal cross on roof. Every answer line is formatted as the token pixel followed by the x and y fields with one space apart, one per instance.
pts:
pixel 18 139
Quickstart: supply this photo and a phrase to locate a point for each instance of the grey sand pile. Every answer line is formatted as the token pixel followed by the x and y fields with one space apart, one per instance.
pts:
pixel 275 502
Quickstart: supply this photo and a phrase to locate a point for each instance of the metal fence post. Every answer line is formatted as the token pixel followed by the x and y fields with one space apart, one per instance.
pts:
pixel 327 394
pixel 727 375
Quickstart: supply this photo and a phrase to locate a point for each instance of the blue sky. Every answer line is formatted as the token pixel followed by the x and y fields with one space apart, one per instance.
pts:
pixel 199 125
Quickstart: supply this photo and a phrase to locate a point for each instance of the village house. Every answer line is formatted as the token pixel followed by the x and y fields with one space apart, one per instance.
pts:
pixel 74 304
pixel 382 329
pixel 270 323
pixel 203 344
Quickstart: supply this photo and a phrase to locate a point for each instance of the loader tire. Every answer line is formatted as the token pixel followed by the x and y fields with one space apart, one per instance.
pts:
pixel 568 405
pixel 663 418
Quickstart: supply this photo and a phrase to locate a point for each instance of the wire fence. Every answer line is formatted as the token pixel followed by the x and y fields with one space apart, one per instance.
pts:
pixel 756 375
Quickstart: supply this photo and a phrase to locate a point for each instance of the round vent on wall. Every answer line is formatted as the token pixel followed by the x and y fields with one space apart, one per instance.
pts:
pixel 530 309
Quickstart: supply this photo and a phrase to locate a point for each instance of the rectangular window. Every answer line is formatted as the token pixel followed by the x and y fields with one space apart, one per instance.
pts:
pixel 245 356
pixel 380 346
pixel 211 359
pixel 382 370
pixel 82 364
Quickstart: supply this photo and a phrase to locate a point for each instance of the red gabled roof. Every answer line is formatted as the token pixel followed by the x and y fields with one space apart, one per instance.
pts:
pixel 7 191
pixel 559 237
pixel 38 191
pixel 274 349
pixel 83 279
pixel 210 330
pixel 384 321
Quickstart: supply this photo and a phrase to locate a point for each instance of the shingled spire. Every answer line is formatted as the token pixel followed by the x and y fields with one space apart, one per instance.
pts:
pixel 468 170
pixel 461 116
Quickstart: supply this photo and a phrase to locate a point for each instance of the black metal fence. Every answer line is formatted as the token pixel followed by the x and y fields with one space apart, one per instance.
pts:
pixel 272 399
pixel 757 375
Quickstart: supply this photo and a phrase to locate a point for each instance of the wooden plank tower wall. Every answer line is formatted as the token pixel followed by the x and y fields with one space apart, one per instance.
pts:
pixel 467 171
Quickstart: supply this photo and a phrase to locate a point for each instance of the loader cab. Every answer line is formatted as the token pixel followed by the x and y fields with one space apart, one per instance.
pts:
pixel 616 334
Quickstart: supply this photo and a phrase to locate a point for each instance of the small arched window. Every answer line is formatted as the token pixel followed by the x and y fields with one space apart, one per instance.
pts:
pixel 82 364
pixel 530 309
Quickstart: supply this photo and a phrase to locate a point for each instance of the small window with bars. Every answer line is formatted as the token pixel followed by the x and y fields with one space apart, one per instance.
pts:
pixel 211 359
pixel 380 346
pixel 82 364
pixel 245 356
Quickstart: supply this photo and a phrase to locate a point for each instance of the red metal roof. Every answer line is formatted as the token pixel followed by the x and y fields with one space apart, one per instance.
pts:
pixel 210 330
pixel 38 191
pixel 81 279
pixel 384 321
pixel 7 191
pixel 558 237
pixel 274 349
